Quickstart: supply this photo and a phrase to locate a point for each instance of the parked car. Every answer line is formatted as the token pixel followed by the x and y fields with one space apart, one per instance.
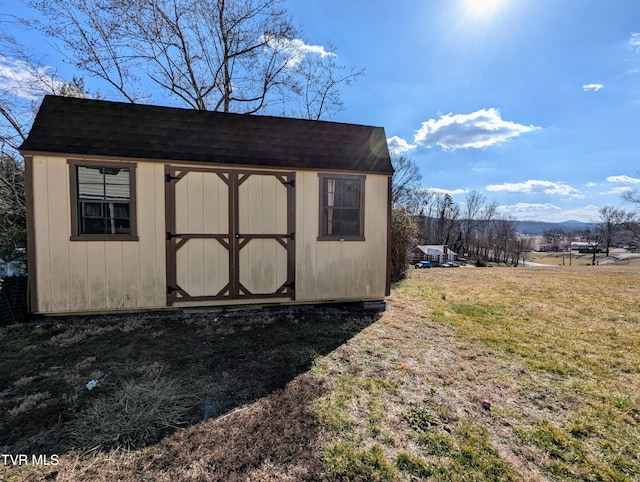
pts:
pixel 449 265
pixel 423 264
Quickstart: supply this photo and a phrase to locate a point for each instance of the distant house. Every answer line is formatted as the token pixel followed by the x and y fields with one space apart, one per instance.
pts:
pixel 583 247
pixel 134 207
pixel 435 253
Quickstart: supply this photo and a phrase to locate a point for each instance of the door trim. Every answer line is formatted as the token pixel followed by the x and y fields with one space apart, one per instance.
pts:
pixel 233 241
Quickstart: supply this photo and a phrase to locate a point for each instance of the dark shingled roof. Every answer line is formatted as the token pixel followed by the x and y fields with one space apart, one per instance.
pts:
pixel 72 126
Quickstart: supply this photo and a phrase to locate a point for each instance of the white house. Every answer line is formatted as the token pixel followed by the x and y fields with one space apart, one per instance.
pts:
pixel 435 253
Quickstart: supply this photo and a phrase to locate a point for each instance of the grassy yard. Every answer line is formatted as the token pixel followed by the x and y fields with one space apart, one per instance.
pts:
pixel 471 374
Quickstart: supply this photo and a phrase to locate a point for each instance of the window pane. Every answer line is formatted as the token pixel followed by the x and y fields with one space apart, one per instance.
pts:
pixel 122 226
pixel 121 210
pixel 116 184
pixel 93 226
pixel 92 209
pixel 347 222
pixel 341 207
pixel 90 182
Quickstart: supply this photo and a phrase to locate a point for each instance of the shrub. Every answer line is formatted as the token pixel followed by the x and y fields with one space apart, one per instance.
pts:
pixel 403 234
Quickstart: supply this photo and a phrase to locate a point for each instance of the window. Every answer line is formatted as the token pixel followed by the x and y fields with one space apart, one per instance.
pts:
pixel 341 207
pixel 103 201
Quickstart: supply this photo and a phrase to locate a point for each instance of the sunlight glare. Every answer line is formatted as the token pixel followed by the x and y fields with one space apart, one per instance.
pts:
pixel 483 8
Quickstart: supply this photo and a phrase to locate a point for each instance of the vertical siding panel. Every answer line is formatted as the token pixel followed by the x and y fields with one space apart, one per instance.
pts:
pixel 131 264
pixel 78 268
pixel 151 231
pixel 306 236
pixel 181 207
pixel 281 204
pixel 97 275
pixel 211 203
pixel 59 232
pixel 195 224
pixel 41 223
pixel 159 235
pixel 114 274
pixel 148 204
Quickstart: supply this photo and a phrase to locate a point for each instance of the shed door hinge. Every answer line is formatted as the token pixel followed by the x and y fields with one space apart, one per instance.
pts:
pixel 168 177
pixel 291 183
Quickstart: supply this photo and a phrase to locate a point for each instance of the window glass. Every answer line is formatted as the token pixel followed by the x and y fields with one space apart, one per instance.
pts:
pixel 103 200
pixel 341 210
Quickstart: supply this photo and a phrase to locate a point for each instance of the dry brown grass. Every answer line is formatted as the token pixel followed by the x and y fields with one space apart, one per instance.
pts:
pixel 556 351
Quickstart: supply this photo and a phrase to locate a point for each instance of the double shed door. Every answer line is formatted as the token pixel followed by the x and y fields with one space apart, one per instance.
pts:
pixel 230 234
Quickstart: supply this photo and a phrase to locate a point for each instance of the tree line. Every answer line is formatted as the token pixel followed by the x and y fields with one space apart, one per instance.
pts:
pixel 477 231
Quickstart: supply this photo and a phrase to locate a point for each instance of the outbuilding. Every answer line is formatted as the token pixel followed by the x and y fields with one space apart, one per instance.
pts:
pixel 140 207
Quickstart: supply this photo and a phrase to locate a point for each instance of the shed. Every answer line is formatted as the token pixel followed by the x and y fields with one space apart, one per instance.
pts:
pixel 140 207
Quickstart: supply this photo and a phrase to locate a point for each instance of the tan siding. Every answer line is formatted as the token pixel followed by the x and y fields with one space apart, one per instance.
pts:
pixel 262 205
pixel 96 275
pixel 335 270
pixel 263 266
pixel 202 206
pixel 59 232
pixel 41 224
pixel 78 267
pixel 131 265
pixel 111 275
pixel 151 231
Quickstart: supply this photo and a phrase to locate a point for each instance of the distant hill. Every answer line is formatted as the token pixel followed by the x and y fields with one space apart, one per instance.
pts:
pixel 537 228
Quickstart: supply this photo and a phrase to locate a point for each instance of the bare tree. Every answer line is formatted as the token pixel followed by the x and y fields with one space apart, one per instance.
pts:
pixel 632 221
pixel 223 55
pixel 317 84
pixel 504 240
pixel 611 221
pixel 474 201
pixel 447 217
pixel 13 234
pixel 632 196
pixel 406 179
pixel 25 79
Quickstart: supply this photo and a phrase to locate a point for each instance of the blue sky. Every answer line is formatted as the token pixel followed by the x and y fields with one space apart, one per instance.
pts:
pixel 534 103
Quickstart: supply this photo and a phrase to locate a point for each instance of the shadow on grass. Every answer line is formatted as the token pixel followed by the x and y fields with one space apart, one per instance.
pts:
pixel 175 369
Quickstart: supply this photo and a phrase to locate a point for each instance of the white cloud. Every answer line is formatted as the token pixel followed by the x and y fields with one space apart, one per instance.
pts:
pixel 635 41
pixel 479 129
pixel 27 82
pixel 624 179
pixel 549 212
pixel 296 49
pixel 536 186
pixel 590 184
pixel 592 87
pixel 451 192
pixel 618 190
pixel 397 145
